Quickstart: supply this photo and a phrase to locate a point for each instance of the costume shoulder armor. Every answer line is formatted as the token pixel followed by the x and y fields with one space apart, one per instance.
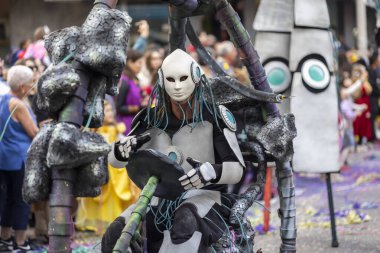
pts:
pixel 227 117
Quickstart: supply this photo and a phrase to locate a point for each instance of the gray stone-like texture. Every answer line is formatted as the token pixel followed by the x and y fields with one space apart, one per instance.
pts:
pixel 36 186
pixel 55 88
pixel 95 102
pixel 103 42
pixel 90 177
pixel 61 43
pixel 277 135
pixel 70 148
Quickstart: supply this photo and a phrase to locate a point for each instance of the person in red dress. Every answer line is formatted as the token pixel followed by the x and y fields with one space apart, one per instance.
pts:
pixel 362 123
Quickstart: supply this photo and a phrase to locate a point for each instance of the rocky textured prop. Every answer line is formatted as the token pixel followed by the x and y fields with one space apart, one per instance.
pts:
pixel 70 148
pixel 94 107
pixel 62 43
pixel 55 87
pixel 276 137
pixel 91 173
pixel 102 44
pixel 94 174
pixel 65 162
pixel 36 186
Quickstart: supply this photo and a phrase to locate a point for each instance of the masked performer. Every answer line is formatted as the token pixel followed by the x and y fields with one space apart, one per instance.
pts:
pixel 187 126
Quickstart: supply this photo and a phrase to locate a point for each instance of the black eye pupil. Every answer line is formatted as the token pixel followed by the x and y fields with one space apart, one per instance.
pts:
pixel 183 78
pixel 170 79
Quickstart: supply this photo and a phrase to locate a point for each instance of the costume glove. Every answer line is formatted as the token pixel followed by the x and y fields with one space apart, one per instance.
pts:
pixel 121 150
pixel 199 176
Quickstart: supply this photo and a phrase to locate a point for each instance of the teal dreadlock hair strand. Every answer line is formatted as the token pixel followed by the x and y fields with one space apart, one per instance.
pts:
pixel 158 104
pixel 159 101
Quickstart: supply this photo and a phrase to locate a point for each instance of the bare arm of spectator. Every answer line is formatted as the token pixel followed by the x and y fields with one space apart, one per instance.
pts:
pixel 141 42
pixel 367 87
pixel 23 116
pixel 353 88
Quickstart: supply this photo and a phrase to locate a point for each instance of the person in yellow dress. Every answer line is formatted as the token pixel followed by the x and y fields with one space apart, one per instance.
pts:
pixel 97 213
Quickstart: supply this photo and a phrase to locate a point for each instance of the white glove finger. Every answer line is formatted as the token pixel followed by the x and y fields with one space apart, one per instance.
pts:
pixel 185 182
pixel 198 182
pixel 121 149
pixel 183 178
pixel 124 148
pixel 194 178
pixel 188 187
pixel 125 139
pixel 191 173
pixel 200 186
pixel 134 141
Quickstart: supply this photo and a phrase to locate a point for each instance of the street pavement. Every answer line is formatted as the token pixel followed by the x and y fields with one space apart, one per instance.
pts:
pixel 356 193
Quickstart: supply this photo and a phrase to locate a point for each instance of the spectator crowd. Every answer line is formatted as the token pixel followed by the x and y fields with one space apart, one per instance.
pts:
pixel 359 92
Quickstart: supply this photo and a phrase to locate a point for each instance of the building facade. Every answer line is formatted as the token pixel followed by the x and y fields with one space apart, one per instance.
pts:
pixel 19 18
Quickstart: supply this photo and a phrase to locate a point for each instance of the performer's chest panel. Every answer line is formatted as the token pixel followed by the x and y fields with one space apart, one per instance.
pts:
pixel 196 143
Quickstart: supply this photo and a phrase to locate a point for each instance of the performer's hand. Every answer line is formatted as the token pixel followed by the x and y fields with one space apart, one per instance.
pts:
pixel 122 149
pixel 130 144
pixel 199 176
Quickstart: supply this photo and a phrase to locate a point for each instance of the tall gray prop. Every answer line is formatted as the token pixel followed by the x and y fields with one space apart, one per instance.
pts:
pixel 64 161
pixel 294 40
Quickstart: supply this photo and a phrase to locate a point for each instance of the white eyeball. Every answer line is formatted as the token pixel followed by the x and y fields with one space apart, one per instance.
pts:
pixel 278 76
pixel 315 75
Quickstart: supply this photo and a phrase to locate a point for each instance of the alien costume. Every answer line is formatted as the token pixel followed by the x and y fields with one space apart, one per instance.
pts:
pixel 204 144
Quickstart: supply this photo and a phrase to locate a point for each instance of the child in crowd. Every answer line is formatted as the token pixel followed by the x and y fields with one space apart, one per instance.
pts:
pixel 97 213
pixel 350 110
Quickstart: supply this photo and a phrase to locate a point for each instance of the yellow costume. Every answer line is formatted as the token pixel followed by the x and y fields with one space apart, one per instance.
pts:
pixel 120 192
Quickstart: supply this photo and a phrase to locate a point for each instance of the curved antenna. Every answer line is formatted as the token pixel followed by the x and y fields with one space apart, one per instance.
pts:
pixel 247 91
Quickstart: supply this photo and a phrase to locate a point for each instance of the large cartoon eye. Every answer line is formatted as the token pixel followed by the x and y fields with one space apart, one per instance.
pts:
pixel 278 76
pixel 315 75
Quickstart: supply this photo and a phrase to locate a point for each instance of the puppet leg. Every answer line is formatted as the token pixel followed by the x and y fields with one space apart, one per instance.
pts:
pixel 250 195
pixel 287 211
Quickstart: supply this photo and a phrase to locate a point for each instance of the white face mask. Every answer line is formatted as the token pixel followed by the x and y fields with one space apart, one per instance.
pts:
pixel 176 69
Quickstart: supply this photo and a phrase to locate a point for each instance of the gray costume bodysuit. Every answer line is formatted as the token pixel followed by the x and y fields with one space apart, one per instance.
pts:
pixel 197 221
